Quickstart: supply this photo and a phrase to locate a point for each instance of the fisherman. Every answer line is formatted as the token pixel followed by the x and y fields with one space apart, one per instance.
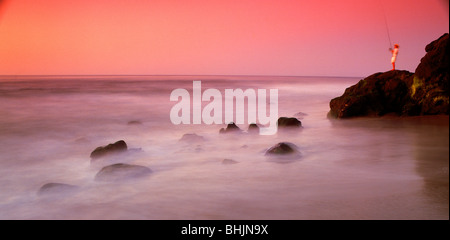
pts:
pixel 394 55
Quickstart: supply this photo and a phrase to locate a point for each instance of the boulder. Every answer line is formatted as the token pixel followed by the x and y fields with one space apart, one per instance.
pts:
pixel 56 188
pixel 253 128
pixel 117 147
pixel 285 122
pixel 424 92
pixel 231 128
pixel 376 95
pixel 282 149
pixel 121 171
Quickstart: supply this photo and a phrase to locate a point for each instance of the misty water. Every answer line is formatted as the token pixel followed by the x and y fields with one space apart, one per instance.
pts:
pixel 363 168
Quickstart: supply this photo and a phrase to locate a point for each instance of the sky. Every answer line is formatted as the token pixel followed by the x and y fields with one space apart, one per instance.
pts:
pixel 215 37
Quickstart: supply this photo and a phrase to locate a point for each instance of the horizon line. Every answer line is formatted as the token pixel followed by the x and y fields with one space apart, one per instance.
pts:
pixel 169 75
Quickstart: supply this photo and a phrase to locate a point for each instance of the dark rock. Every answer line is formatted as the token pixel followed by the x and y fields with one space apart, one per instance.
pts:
pixel 117 147
pixel 231 128
pixel 121 171
pixel 283 152
pixel 229 161
pixel 134 122
pixel 429 88
pixel 376 95
pixel 253 128
pixel 56 188
pixel 191 138
pixel 282 148
pixel 425 92
pixel 285 122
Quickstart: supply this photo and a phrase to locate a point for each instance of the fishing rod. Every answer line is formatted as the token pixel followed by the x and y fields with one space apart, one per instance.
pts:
pixel 386 24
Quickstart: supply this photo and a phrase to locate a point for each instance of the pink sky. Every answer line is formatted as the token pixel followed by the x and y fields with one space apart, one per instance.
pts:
pixel 209 37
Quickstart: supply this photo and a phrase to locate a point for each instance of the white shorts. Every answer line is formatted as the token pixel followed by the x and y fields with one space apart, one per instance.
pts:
pixel 393 59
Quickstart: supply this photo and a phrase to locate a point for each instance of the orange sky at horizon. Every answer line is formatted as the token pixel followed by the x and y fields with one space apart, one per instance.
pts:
pixel 200 37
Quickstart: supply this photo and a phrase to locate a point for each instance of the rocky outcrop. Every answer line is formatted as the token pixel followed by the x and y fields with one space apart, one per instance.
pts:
pixel 423 93
pixel 121 171
pixel 117 147
pixel 56 188
pixel 285 122
pixel 375 95
pixel 430 85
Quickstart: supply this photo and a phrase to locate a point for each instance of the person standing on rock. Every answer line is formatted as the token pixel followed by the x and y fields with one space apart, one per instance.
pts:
pixel 394 55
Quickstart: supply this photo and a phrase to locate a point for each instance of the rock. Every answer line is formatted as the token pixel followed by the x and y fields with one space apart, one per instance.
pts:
pixel 231 128
pixel 121 171
pixel 424 92
pixel 429 88
pixel 229 161
pixel 55 188
pixel 117 147
pixel 282 148
pixel 253 128
pixel 191 138
pixel 285 122
pixel 376 95
pixel 134 122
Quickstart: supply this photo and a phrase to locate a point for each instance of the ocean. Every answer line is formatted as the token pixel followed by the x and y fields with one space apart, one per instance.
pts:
pixel 362 168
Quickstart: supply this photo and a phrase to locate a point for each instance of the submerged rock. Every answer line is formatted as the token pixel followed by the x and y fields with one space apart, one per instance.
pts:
pixel 56 188
pixel 191 137
pixel 282 149
pixel 121 171
pixel 231 128
pixel 134 122
pixel 117 147
pixel 300 115
pixel 135 150
pixel 229 161
pixel 424 92
pixel 285 122
pixel 198 148
pixel 283 152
